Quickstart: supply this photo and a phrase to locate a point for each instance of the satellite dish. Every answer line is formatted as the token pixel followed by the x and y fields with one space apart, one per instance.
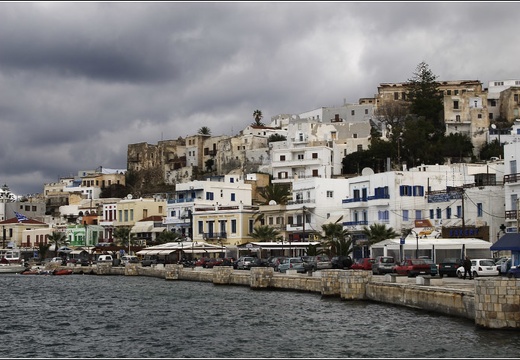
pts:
pixel 129 196
pixel 367 171
pixel 493 126
pixel 272 202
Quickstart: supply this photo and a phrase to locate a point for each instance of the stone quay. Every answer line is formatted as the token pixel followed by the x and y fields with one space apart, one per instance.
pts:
pixel 492 302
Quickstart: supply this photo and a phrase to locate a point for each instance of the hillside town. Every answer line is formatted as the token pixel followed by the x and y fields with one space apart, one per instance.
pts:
pixel 222 190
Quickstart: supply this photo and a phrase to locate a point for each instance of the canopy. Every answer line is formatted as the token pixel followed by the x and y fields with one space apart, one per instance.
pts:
pixel 189 247
pixel 254 246
pixel 507 242
pixel 412 243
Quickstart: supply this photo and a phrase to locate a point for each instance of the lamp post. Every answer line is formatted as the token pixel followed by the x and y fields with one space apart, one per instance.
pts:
pixel 417 241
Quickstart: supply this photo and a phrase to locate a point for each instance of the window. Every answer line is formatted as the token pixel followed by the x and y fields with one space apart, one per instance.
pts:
pixel 418 190
pixel 330 194
pixel 448 213
pixel 172 213
pixel 396 96
pixel 300 156
pixel 233 226
pixel 512 166
pixel 405 190
pixel 282 157
pixel 233 197
pixel 209 196
pixel 459 211
pixel 457 118
pixel 448 92
pixel 490 116
pixel 251 225
pixel 357 195
pixel 418 214
pixel 439 213
pixel 314 155
pixel 479 116
pixel 360 147
pixel 353 112
pixel 455 92
pixel 366 111
pixel 383 215
pixel 126 215
pixel 201 227
pixel 405 215
pixel 493 103
pixel 515 97
pixel 270 220
pixel 431 214
pixel 480 211
pixel 120 215
pixel 315 173
pixel 364 194
pixel 456 104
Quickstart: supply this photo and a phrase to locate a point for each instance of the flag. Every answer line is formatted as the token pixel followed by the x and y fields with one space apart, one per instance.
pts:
pixel 20 217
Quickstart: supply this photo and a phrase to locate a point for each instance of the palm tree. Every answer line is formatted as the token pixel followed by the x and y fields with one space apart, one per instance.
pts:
pixel 265 233
pixel 337 239
pixel 257 116
pixel 204 131
pixel 42 250
pixel 57 238
pixel 378 232
pixel 277 192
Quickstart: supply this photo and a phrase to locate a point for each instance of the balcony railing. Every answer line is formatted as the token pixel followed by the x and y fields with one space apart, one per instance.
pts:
pixel 214 235
pixel 356 223
pixel 511 178
pixel 511 214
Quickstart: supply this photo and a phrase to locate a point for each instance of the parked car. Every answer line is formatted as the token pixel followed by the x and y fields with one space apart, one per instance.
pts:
pixel 480 267
pixel 58 260
pixel 499 263
pixel 412 267
pixel 383 265
pixel 433 266
pixel 449 266
pixel 244 262
pixel 513 272
pixel 318 262
pixel 275 261
pixel 292 263
pixel 129 259
pixel 363 264
pixel 202 262
pixel 212 262
pixel 504 268
pixel 341 262
pixel 105 259
pixel 148 262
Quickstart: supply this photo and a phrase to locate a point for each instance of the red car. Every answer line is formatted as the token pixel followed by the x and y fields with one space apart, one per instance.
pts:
pixel 363 264
pixel 413 267
pixel 213 262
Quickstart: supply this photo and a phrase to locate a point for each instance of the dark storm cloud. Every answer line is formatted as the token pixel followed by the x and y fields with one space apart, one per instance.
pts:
pixel 81 81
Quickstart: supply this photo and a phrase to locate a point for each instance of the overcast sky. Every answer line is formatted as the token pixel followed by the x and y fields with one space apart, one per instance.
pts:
pixel 82 80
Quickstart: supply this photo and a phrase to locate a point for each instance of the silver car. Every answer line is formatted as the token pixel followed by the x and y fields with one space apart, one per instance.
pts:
pixel 383 265
pixel 292 263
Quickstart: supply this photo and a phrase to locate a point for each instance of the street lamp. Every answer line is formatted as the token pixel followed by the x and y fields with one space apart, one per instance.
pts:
pixel 417 240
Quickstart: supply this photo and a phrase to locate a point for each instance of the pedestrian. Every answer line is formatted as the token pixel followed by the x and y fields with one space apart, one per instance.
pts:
pixel 467 268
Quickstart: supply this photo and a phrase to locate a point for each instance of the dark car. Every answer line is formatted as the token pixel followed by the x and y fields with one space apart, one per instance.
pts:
pixel 341 262
pixel 449 267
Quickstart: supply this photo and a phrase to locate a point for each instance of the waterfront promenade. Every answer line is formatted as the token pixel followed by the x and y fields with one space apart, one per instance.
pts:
pixel 492 302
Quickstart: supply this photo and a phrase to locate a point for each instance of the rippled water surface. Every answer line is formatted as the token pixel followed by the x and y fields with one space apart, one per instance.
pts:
pixel 144 317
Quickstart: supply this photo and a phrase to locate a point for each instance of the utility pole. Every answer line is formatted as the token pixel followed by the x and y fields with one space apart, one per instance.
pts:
pixel 303 219
pixel 517 216
pixel 463 222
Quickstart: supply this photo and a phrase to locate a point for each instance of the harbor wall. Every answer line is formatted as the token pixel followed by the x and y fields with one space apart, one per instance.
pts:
pixel 492 303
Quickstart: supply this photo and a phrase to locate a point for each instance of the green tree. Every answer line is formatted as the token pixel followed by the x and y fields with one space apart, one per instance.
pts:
pixel 276 137
pixel 491 149
pixel 336 239
pixel 204 131
pixel 122 235
pixel 457 146
pixel 257 116
pixel 57 238
pixel 426 101
pixel 378 232
pixel 209 164
pixel 167 237
pixel 314 249
pixel 265 233
pixel 42 250
pixel 277 192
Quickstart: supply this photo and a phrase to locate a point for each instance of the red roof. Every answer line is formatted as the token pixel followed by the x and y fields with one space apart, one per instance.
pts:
pixel 14 220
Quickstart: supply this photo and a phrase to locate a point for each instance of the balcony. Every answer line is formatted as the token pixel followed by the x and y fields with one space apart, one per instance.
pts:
pixel 512 214
pixel 214 235
pixel 511 178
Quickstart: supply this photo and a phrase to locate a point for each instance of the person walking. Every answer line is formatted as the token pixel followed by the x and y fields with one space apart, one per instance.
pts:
pixel 467 268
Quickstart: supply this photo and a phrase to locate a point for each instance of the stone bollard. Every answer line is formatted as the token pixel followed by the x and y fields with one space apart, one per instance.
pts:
pixel 352 284
pixel 330 282
pixel 103 268
pixel 173 272
pixel 261 277
pixel 497 303
pixel 131 270
pixel 222 274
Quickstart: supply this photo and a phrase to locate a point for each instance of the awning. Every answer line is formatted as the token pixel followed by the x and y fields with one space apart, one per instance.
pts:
pixel 77 252
pixel 201 251
pixel 507 242
pixel 141 228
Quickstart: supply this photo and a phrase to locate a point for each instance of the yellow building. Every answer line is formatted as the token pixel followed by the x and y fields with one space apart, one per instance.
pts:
pixel 129 211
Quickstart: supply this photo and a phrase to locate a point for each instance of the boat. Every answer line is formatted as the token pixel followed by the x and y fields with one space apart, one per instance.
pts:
pixel 11 268
pixel 62 272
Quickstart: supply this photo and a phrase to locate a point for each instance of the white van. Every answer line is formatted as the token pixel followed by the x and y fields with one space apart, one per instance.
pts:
pixel 105 259
pixel 129 259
